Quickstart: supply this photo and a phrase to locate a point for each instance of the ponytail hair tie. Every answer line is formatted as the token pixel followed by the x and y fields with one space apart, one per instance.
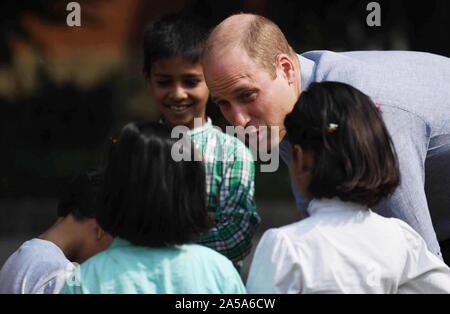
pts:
pixel 332 127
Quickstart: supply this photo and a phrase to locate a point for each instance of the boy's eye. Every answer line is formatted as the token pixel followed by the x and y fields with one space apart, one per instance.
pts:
pixel 164 83
pixel 191 82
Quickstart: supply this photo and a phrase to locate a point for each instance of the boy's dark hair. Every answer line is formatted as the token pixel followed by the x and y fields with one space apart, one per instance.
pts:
pixel 354 160
pixel 148 198
pixel 79 198
pixel 172 36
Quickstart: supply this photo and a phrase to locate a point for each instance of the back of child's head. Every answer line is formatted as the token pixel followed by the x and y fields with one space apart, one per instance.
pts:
pixel 174 36
pixel 79 199
pixel 149 198
pixel 354 158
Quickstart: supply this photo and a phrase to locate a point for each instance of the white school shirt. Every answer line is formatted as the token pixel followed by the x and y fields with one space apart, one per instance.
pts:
pixel 345 248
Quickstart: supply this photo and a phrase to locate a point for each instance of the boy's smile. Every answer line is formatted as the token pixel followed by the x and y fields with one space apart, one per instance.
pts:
pixel 179 108
pixel 179 90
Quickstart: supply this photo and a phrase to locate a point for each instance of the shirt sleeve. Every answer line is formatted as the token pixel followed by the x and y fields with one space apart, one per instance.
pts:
pixel 275 267
pixel 236 216
pixel 423 272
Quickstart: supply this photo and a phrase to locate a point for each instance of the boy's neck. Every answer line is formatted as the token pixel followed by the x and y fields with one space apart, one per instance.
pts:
pixel 194 124
pixel 65 235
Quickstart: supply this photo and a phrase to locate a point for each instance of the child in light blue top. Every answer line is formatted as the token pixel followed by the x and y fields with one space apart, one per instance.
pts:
pixel 128 268
pixel 155 207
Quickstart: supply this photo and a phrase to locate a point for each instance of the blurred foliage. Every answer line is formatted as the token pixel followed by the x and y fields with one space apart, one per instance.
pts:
pixel 12 25
pixel 50 135
pixel 341 25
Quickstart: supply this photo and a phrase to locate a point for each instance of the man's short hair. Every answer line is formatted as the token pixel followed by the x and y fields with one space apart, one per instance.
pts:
pixel 262 40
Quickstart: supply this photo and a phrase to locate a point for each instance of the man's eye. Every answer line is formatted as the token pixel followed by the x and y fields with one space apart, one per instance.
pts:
pixel 248 96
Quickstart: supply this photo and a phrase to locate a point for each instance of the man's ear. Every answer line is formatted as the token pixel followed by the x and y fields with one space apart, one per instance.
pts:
pixel 287 65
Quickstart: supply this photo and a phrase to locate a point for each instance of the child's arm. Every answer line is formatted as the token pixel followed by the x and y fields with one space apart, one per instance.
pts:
pixel 275 267
pixel 424 272
pixel 236 216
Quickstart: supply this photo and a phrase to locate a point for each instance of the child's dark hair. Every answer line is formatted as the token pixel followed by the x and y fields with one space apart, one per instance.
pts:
pixel 148 198
pixel 354 158
pixel 79 199
pixel 172 36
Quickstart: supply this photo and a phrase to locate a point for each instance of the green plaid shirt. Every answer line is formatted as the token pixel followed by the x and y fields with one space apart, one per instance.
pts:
pixel 230 181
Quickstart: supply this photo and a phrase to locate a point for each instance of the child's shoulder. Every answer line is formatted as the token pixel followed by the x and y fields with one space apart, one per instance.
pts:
pixel 292 233
pixel 37 266
pixel 203 253
pixel 40 252
pixel 97 261
pixel 398 231
pixel 407 232
pixel 392 223
pixel 115 254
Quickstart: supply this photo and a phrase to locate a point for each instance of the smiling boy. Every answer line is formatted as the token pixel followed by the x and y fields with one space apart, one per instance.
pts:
pixel 172 67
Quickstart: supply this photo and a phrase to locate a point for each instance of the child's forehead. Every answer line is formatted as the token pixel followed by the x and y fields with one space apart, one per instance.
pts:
pixel 177 64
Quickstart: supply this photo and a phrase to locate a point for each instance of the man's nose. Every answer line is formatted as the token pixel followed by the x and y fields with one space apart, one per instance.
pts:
pixel 237 115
